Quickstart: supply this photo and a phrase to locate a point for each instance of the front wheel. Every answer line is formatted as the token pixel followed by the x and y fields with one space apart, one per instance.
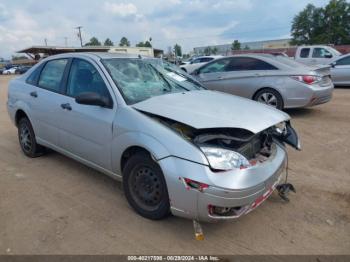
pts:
pixel 269 97
pixel 145 187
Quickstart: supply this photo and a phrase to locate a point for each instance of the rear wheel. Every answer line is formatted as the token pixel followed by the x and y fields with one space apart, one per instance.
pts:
pixel 269 97
pixel 27 139
pixel 145 187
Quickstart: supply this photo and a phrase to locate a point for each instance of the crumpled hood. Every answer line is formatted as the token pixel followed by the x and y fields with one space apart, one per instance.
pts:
pixel 210 109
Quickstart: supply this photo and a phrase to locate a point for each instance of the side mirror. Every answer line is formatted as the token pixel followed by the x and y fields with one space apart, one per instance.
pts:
pixel 328 56
pixel 93 99
pixel 333 64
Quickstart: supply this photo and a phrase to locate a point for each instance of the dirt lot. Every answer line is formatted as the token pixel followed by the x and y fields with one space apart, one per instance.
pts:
pixel 54 205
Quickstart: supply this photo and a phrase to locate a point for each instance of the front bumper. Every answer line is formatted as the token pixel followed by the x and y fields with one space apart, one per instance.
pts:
pixel 243 190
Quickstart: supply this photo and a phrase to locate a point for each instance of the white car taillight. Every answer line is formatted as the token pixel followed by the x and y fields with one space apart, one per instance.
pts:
pixel 307 79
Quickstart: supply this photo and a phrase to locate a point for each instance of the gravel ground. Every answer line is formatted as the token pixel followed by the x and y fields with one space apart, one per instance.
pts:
pixel 54 205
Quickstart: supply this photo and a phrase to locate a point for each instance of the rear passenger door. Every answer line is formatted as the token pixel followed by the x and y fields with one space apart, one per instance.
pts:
pixel 240 76
pixel 320 56
pixel 341 71
pixel 86 130
pixel 46 101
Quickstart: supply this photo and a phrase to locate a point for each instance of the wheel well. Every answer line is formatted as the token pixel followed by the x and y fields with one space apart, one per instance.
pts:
pixel 129 152
pixel 267 88
pixel 19 115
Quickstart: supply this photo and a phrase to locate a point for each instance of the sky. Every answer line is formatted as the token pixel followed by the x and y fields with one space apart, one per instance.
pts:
pixel 190 23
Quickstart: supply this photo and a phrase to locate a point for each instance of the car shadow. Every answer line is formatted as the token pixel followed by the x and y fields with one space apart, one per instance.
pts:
pixel 301 112
pixel 342 87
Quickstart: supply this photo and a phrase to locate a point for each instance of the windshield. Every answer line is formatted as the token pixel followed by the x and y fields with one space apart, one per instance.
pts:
pixel 139 80
pixel 175 74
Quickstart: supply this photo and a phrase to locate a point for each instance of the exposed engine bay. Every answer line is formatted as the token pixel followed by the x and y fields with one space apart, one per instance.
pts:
pixel 257 147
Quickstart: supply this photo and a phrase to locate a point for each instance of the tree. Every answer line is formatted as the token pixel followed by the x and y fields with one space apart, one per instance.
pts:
pixel 317 25
pixel 236 45
pixel 124 41
pixel 337 22
pixel 144 44
pixel 108 42
pixel 207 50
pixel 177 50
pixel 246 47
pixel 214 50
pixel 307 26
pixel 93 42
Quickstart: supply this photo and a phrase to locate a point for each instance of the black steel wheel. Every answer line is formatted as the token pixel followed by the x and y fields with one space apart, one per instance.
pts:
pixel 27 139
pixel 145 187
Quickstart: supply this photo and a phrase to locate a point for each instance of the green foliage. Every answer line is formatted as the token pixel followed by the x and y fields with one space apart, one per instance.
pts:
pixel 246 48
pixel 210 50
pixel 318 25
pixel 177 50
pixel 144 44
pixel 124 41
pixel 93 42
pixel 236 45
pixel 108 42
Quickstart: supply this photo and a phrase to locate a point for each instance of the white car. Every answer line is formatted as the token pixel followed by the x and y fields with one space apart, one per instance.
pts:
pixel 198 62
pixel 10 71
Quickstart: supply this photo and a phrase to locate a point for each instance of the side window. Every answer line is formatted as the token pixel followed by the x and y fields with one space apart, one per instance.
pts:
pixel 215 67
pixel 344 61
pixel 51 75
pixel 304 53
pixel 84 77
pixel 205 59
pixel 248 63
pixel 196 61
pixel 321 53
pixel 33 78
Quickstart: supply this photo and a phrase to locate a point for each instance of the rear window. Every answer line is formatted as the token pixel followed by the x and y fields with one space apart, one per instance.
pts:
pixel 52 74
pixel 344 61
pixel 321 53
pixel 33 78
pixel 248 63
pixel 304 53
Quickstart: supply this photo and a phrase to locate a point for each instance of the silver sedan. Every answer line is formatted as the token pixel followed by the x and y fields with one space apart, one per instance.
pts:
pixel 177 147
pixel 274 80
pixel 340 70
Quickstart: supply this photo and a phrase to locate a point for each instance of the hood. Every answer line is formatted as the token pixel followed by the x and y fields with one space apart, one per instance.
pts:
pixel 210 109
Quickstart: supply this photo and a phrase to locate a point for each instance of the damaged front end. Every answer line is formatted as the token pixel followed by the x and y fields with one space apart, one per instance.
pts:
pixel 229 148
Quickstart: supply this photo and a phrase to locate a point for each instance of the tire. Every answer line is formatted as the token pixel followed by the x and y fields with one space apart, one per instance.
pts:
pixel 27 141
pixel 145 187
pixel 269 97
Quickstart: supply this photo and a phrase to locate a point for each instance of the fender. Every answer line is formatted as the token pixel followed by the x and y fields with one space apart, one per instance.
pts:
pixel 129 139
pixel 20 105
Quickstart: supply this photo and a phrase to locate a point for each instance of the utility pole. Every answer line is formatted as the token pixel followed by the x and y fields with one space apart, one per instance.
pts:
pixel 45 40
pixel 79 35
pixel 66 41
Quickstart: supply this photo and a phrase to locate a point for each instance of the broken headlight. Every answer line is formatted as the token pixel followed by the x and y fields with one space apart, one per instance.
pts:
pixel 281 128
pixel 222 159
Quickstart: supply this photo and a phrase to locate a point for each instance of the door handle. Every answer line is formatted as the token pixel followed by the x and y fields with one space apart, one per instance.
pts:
pixel 66 106
pixel 33 94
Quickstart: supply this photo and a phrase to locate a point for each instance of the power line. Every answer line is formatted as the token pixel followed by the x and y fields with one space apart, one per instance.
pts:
pixel 79 35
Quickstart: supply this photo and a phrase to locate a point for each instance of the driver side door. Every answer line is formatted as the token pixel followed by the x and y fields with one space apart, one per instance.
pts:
pixel 86 130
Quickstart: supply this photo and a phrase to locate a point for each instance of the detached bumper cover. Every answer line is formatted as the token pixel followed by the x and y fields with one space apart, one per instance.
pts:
pixel 241 189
